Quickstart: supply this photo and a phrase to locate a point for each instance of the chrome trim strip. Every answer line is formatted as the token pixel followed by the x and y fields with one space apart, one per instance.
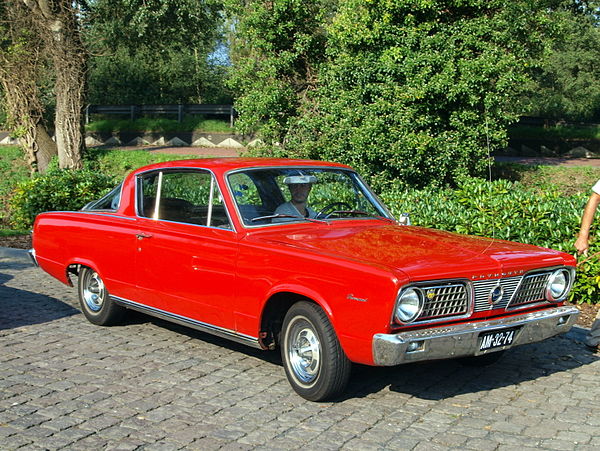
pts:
pixel 100 213
pixel 157 199
pixel 462 340
pixel 97 212
pixel 184 321
pixel 188 169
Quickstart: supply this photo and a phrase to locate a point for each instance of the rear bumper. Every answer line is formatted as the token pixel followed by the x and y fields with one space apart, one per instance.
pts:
pixel 31 253
pixel 463 340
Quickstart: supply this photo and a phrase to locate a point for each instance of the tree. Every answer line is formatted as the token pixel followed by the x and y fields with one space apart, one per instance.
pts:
pixel 154 51
pixel 21 65
pixel 566 81
pixel 59 28
pixel 276 48
pixel 408 91
pixel 49 28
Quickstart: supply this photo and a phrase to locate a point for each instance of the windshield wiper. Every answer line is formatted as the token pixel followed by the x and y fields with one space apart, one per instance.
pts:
pixel 282 215
pixel 361 213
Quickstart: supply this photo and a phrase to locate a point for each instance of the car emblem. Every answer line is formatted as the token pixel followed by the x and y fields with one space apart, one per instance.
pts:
pixel 496 294
pixel 430 294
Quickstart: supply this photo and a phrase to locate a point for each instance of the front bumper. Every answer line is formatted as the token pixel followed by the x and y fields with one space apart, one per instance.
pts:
pixel 462 340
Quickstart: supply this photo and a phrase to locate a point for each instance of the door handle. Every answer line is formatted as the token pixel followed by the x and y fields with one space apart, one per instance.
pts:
pixel 141 236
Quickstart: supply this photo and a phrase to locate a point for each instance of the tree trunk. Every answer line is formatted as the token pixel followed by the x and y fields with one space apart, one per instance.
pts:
pixel 25 117
pixel 20 63
pixel 58 21
pixel 69 105
pixel 46 148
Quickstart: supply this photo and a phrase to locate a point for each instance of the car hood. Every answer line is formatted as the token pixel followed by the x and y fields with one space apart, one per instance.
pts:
pixel 418 252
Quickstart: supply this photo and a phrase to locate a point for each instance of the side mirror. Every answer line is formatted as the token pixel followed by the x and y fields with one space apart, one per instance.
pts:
pixel 404 219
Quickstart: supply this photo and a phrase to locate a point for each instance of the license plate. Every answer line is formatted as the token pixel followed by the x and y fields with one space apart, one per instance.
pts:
pixel 497 339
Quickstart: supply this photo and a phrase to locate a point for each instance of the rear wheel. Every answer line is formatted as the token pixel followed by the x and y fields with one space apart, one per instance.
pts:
pixel 314 361
pixel 96 304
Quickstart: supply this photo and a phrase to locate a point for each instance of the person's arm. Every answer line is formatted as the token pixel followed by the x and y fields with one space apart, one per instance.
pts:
pixel 582 243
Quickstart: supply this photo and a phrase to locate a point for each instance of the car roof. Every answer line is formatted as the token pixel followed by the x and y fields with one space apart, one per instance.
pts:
pixel 227 164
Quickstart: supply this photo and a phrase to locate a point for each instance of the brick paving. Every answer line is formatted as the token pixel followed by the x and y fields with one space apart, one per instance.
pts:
pixel 150 385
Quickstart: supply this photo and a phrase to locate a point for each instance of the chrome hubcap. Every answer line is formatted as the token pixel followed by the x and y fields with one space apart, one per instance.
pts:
pixel 304 351
pixel 93 292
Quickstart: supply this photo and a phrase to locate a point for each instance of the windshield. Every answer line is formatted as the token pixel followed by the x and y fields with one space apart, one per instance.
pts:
pixel 284 195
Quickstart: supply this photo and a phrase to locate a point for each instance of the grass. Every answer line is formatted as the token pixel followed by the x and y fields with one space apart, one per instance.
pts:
pixel 565 180
pixel 189 124
pixel 13 168
pixel 557 132
pixel 12 232
pixel 119 163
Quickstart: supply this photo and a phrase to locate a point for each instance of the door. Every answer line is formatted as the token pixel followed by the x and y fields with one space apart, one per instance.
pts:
pixel 187 249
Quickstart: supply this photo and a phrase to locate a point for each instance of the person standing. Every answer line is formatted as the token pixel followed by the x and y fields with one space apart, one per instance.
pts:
pixel 582 245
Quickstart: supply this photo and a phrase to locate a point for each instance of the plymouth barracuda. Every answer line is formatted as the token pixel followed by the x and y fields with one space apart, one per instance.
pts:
pixel 301 256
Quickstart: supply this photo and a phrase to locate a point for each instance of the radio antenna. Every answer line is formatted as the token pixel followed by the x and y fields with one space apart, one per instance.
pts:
pixel 489 161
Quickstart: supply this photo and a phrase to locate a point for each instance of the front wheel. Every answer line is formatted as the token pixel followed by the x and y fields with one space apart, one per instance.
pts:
pixel 315 364
pixel 96 304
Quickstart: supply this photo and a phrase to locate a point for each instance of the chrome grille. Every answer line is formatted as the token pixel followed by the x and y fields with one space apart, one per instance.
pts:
pixel 518 291
pixel 482 291
pixel 532 289
pixel 444 300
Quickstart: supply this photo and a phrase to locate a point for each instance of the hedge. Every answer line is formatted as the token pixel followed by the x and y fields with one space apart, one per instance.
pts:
pixel 500 209
pixel 54 191
pixel 507 211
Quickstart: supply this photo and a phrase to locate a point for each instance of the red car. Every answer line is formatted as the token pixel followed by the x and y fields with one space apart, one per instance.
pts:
pixel 301 256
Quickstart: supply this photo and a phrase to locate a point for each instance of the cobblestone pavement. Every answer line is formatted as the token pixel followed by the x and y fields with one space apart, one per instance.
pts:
pixel 67 384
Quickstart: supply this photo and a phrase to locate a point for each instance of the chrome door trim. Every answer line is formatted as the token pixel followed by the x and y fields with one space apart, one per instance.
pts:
pixel 188 322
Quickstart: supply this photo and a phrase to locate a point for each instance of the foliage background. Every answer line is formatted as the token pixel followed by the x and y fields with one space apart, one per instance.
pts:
pixel 155 52
pixel 411 91
pixel 415 94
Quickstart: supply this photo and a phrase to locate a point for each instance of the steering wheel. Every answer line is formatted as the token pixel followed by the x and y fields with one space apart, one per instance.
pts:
pixel 331 208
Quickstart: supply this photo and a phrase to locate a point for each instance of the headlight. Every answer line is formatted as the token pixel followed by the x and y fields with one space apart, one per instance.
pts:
pixel 409 305
pixel 558 285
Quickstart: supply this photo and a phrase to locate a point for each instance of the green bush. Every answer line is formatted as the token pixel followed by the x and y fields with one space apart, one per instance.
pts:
pixel 13 168
pixel 506 211
pixel 56 190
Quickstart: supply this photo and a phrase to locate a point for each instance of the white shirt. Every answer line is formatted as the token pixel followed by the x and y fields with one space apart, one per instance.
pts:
pixel 288 208
pixel 596 187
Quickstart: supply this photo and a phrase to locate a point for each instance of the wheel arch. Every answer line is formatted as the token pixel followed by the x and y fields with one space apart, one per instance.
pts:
pixel 74 267
pixel 275 309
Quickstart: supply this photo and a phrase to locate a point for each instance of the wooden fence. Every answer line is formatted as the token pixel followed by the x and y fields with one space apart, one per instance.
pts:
pixel 135 111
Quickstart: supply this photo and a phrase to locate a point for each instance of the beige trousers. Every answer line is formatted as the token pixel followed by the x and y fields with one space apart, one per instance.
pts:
pixel 593 339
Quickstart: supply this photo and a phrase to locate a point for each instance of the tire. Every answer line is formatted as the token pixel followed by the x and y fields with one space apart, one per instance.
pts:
pixel 482 360
pixel 96 304
pixel 321 371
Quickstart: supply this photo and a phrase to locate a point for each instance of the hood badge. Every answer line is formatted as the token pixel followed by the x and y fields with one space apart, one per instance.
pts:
pixel 496 294
pixel 352 298
pixel 499 274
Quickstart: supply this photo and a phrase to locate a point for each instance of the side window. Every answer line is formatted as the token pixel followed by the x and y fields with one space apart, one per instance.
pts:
pixel 190 197
pixel 108 202
pixel 147 188
pixel 244 189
